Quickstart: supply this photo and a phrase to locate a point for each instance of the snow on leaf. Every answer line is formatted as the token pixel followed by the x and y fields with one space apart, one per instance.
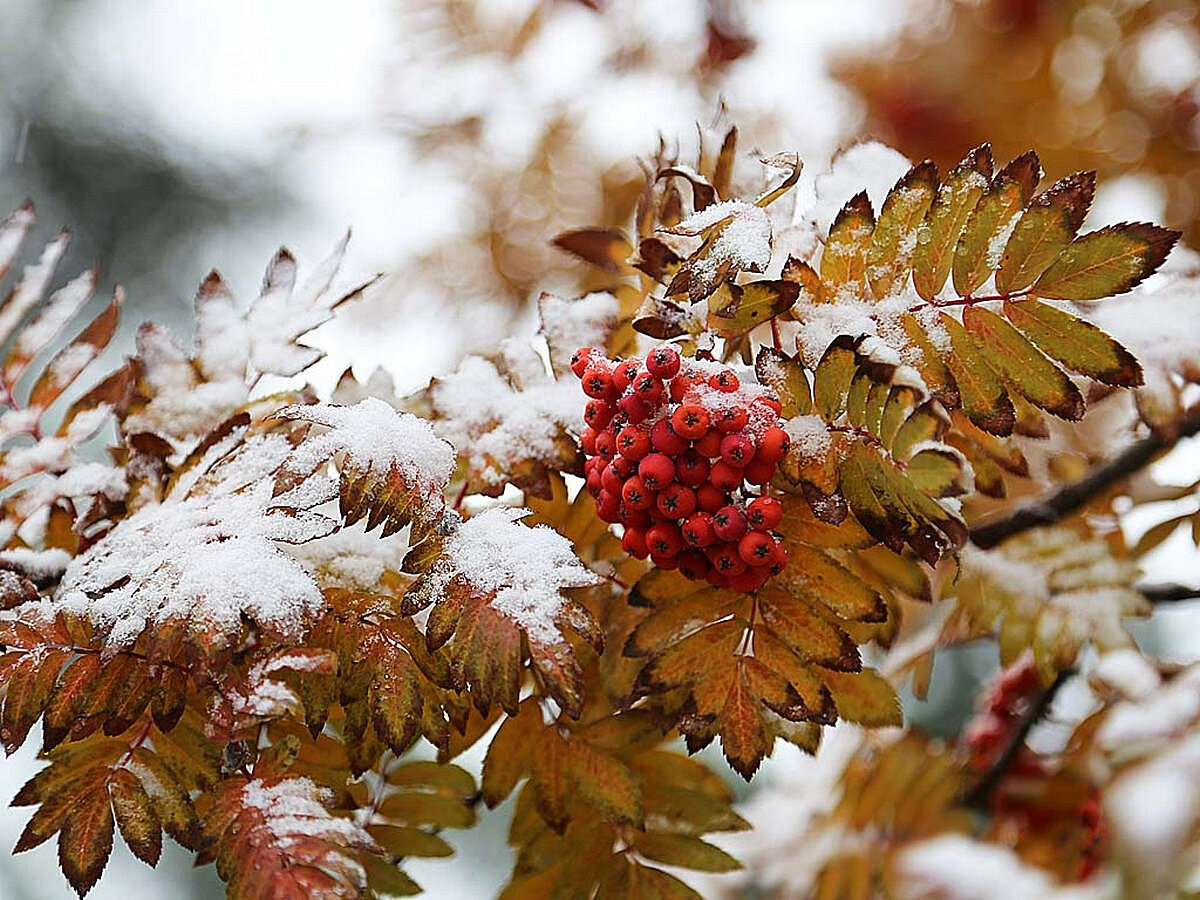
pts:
pixel 737 238
pixel 496 581
pixel 568 325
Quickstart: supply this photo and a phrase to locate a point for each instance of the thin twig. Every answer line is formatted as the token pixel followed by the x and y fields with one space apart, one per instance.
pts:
pixel 979 794
pixel 1169 593
pixel 1061 503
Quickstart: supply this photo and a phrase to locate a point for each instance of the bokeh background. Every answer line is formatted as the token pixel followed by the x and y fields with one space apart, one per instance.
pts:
pixel 457 137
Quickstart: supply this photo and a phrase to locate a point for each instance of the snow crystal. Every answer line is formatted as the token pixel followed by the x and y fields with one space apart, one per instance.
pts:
pixel 376 437
pixel 570 324
pixel 744 243
pixel 526 569
pixel 809 436
pixel 40 565
pixel 298 807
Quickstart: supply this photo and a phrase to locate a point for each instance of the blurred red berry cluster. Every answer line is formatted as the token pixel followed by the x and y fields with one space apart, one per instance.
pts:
pixel 679 453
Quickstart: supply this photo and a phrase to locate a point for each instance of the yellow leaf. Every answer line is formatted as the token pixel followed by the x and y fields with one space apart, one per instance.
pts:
pixel 947 216
pixel 1078 345
pixel 889 260
pixel 1044 231
pixel 844 258
pixel 1010 190
pixel 1106 262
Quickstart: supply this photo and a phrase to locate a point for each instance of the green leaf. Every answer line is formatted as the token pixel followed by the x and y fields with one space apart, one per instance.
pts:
pixel 752 305
pixel 786 378
pixel 983 397
pixel 844 259
pixel 831 380
pixel 1022 365
pixel 930 364
pixel 975 258
pixel 889 260
pixel 947 216
pixel 1106 262
pixel 938 473
pixel 1078 345
pixel 1044 231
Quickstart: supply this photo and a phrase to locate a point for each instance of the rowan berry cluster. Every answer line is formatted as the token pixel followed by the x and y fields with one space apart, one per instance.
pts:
pixel 679 453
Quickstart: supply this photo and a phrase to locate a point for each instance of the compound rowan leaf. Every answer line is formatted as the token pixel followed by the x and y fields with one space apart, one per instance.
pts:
pixel 819 578
pixel 135 819
pixel 890 258
pixel 938 472
pixel 1044 230
pixel 980 390
pixel 1106 262
pixel 977 253
pixel 85 841
pixel 1022 366
pixel 808 628
pixel 844 257
pixel 939 235
pixel 865 697
pixel 67 699
pixel 1077 344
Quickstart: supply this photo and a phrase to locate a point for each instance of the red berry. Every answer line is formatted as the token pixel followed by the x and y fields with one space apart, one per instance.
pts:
pixel 770 403
pixel 764 513
pixel 676 501
pixel 634 542
pixel 657 471
pixel 679 388
pixel 729 523
pixel 597 414
pixel 690 421
pixel 664 539
pixel 691 468
pixel 611 481
pixel 698 530
pixel 581 359
pixel 779 559
pixel 598 383
pixel 773 445
pixel 750 580
pixel 649 388
pixel 725 381
pixel 737 450
pixel 664 439
pixel 636 495
pixel 725 476
pixel 756 548
pixel 693 564
pixel 724 558
pixel 710 444
pixel 666 563
pixel 635 408
pixel 624 374
pixel 731 419
pixel 663 362
pixel 606 445
pixel 759 472
pixel 594 483
pixel 633 441
pixel 638 518
pixel 716 579
pixel 587 441
pixel 608 506
pixel 623 466
pixel 709 497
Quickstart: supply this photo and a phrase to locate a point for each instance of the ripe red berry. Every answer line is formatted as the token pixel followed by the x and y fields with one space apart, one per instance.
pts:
pixel 779 559
pixel 666 563
pixel 731 419
pixel 724 558
pixel 690 421
pixel 636 495
pixel 759 471
pixel 709 497
pixel 624 374
pixel 587 441
pixel 725 381
pixel 710 444
pixel 770 403
pixel 663 362
pixel 676 501
pixel 657 471
pixel 750 580
pixel 597 414
pixel 756 548
pixel 581 359
pixel 773 445
pixel 664 439
pixel 594 485
pixel 679 388
pixel 638 518
pixel 764 513
pixel 737 450
pixel 634 542
pixel 716 579
pixel 606 445
pixel 633 442
pixel 598 383
pixel 729 523
pixel 725 476
pixel 693 564
pixel 691 468
pixel 649 388
pixel 635 408
pixel 664 539
pixel 698 530
pixel 608 506
pixel 623 466
pixel 611 481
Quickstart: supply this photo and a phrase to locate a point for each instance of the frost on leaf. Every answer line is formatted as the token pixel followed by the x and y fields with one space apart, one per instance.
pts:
pixel 496 583
pixel 276 837
pixel 394 467
pixel 211 554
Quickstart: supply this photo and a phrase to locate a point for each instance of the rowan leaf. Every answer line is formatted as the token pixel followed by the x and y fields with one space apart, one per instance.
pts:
pixel 977 254
pixel 938 236
pixel 982 394
pixel 1044 230
pixel 1078 345
pixel 831 379
pixel 844 257
pixel 787 380
pixel 865 697
pixel 1106 262
pixel 684 851
pixel 602 247
pixel 1022 366
pixel 894 240
pixel 135 818
pixel 85 842
pixel 753 304
pixel 605 784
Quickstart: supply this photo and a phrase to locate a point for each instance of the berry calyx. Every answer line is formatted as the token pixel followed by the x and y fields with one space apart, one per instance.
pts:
pixel 725 381
pixel 756 548
pixel 664 539
pixel 598 383
pixel 633 442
